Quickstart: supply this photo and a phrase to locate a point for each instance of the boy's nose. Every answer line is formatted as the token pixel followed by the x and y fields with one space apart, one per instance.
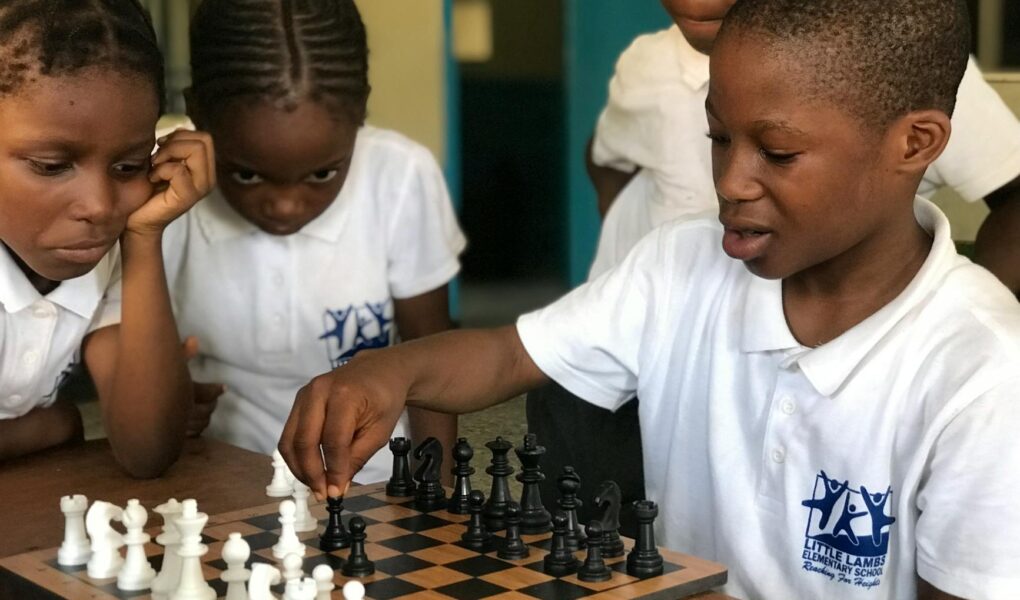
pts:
pixel 283 207
pixel 97 202
pixel 736 181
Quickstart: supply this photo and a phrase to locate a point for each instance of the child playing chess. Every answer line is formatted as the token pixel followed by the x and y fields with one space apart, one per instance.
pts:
pixel 83 204
pixel 833 413
pixel 324 238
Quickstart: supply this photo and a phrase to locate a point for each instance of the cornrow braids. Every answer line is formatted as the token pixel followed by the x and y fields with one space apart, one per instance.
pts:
pixel 60 37
pixel 282 51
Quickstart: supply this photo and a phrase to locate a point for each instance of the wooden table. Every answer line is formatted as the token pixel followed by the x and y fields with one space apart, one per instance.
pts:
pixel 220 476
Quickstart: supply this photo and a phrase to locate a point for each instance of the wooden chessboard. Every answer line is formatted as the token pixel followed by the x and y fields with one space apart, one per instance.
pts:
pixel 417 555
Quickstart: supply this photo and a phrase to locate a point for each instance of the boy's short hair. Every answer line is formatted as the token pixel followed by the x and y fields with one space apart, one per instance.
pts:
pixel 880 58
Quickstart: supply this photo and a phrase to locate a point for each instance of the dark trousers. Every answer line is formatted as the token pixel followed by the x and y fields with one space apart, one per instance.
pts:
pixel 599 444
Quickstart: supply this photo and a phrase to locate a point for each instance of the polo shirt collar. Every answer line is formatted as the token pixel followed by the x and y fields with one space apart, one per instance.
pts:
pixel 80 295
pixel 693 64
pixel 219 222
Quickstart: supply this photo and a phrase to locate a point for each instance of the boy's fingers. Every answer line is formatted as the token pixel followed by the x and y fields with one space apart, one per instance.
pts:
pixel 193 154
pixel 337 436
pixel 305 436
pixel 190 347
pixel 207 394
pixel 205 147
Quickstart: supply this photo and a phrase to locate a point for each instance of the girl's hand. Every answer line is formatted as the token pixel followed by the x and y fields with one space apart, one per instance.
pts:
pixel 206 394
pixel 183 171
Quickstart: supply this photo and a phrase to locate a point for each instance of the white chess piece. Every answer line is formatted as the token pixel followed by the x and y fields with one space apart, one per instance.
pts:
pixel 137 573
pixel 192 585
pixel 75 548
pixel 235 553
pixel 354 590
pixel 292 568
pixel 170 573
pixel 106 542
pixel 280 486
pixel 288 542
pixel 324 586
pixel 263 576
pixel 303 519
pixel 300 589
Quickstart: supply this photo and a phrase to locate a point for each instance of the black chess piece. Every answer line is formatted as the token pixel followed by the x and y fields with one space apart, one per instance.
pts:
pixel 430 494
pixel 594 568
pixel 462 472
pixel 569 484
pixel 476 537
pixel 357 563
pixel 607 506
pixel 560 561
pixel 334 537
pixel 513 547
pixel 644 560
pixel 400 484
pixel 499 497
pixel 534 517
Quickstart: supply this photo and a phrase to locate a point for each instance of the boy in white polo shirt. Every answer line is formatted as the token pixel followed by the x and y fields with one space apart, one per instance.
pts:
pixel 833 418
pixel 325 237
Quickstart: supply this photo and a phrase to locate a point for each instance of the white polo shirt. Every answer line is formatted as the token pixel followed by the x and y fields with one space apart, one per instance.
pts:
pixel 272 312
pixel 829 472
pixel 655 119
pixel 40 336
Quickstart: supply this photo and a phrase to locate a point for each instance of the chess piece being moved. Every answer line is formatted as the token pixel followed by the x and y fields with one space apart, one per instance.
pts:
pixel 235 553
pixel 106 542
pixel 400 484
pixel 569 483
pixel 594 568
pixel 192 585
pixel 499 496
pixel 136 573
pixel 324 586
pixel 280 486
pixel 169 538
pixel 288 542
pixel 644 560
pixel 303 519
pixel 513 547
pixel 357 563
pixel 430 494
pixel 263 577
pixel 354 590
pixel 534 517
pixel 462 472
pixel 607 508
pixel 476 537
pixel 75 548
pixel 560 561
pixel 334 537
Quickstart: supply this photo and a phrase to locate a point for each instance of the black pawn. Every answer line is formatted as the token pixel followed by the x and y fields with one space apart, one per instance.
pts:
pixel 462 472
pixel 357 564
pixel 644 560
pixel 499 497
pixel 400 485
pixel 569 484
pixel 335 537
pixel 513 547
pixel 477 537
pixel 560 561
pixel 534 517
pixel 594 568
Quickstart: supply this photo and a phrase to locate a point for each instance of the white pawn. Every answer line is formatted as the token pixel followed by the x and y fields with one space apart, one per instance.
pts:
pixel 280 486
pixel 235 553
pixel 293 568
pixel 354 590
pixel 303 519
pixel 323 576
pixel 192 585
pixel 137 573
pixel 170 573
pixel 300 589
pixel 106 542
pixel 263 577
pixel 75 548
pixel 288 542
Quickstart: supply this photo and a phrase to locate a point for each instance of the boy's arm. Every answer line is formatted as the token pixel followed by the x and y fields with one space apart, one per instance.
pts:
pixel 40 429
pixel 997 247
pixel 608 182
pixel 145 392
pixel 926 591
pixel 418 317
pixel 341 418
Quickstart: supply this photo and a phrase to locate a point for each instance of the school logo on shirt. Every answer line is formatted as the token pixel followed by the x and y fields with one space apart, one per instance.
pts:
pixel 847 536
pixel 355 328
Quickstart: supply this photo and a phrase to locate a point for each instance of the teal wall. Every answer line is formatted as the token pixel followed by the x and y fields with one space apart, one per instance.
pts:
pixel 596 32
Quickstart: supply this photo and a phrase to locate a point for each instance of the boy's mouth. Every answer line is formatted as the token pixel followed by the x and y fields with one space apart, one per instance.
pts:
pixel 745 244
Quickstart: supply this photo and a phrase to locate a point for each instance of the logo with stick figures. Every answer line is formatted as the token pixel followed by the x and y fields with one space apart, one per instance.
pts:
pixel 358 327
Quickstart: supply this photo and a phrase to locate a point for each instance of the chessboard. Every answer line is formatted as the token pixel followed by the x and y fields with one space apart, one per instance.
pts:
pixel 417 555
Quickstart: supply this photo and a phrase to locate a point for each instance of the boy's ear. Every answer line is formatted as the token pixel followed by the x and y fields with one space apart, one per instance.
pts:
pixel 921 137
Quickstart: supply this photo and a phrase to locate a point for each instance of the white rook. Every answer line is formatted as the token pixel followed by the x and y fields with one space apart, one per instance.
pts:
pixel 75 548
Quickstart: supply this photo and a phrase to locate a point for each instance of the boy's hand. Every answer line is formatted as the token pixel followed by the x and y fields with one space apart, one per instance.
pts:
pixel 183 171
pixel 206 394
pixel 340 419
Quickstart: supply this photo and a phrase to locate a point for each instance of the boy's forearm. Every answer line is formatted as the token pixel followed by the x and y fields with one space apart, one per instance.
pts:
pixel 997 247
pixel 443 427
pixel 40 429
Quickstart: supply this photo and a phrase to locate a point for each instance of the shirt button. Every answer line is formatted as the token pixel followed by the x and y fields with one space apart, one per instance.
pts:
pixel 779 454
pixel 787 406
pixel 30 358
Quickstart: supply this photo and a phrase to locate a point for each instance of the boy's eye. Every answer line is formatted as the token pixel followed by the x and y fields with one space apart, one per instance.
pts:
pixel 718 139
pixel 246 177
pixel 131 169
pixel 49 168
pixel 322 176
pixel 779 158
